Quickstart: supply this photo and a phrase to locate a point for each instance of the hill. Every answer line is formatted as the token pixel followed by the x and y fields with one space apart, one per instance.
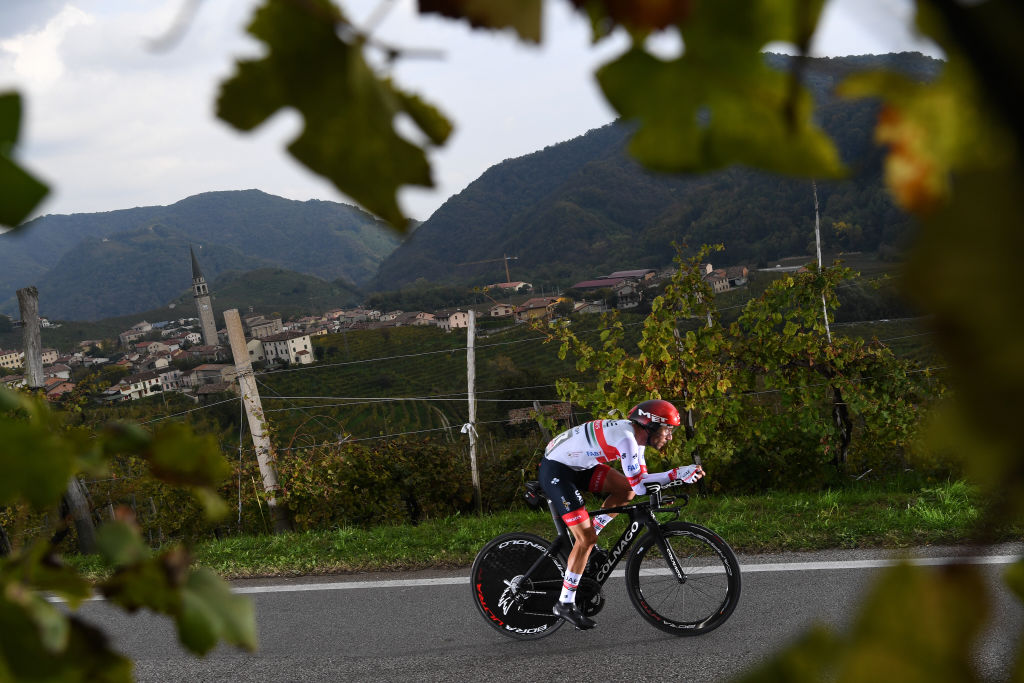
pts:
pixel 91 266
pixel 583 208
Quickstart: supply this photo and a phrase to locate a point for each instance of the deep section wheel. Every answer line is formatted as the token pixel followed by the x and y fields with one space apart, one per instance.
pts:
pixel 702 598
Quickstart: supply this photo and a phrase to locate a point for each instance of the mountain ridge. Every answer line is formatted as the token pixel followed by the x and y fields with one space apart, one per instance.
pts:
pixel 75 260
pixel 583 207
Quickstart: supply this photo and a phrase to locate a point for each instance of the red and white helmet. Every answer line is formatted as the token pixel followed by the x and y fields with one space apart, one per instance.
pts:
pixel 654 413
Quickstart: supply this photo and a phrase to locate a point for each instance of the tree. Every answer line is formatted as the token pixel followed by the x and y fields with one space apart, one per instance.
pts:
pixel 953 157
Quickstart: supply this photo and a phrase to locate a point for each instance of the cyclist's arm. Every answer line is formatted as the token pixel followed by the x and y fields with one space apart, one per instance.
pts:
pixel 687 473
pixel 635 468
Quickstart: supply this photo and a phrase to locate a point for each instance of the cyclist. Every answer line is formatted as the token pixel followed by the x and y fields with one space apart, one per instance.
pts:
pixel 577 460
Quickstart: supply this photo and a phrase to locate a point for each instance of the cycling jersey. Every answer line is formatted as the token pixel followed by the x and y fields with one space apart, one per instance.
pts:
pixel 599 442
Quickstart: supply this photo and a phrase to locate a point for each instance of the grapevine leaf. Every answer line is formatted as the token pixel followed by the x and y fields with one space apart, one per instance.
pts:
pixel 698 114
pixel 349 112
pixel 179 456
pixel 21 192
pixel 120 544
pixel 36 463
pixel 801 662
pixel 637 17
pixel 153 583
pixel 1015 579
pixel 200 602
pixel 524 16
pixel 37 566
pixel 60 649
pixel 211 612
pixel 949 605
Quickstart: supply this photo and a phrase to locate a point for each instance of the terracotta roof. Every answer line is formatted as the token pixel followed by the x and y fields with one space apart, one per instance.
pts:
pixel 599 283
pixel 284 336
pixel 632 273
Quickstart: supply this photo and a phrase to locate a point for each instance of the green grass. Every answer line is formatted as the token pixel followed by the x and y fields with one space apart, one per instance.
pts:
pixel 868 517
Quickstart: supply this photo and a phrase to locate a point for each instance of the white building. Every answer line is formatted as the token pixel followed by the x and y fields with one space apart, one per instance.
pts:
pixel 137 331
pixel 170 379
pixel 294 348
pixel 139 386
pixel 255 347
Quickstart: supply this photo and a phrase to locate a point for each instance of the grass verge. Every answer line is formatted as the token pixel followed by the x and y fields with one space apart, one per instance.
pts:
pixel 774 522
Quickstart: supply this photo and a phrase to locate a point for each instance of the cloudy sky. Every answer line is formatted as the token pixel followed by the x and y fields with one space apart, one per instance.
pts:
pixel 112 123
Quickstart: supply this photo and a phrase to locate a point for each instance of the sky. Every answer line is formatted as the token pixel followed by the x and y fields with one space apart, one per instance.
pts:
pixel 111 121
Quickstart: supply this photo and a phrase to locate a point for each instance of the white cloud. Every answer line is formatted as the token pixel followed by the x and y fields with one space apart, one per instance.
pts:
pixel 37 56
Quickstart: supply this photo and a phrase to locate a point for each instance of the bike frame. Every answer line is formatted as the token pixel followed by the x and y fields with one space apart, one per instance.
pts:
pixel 641 516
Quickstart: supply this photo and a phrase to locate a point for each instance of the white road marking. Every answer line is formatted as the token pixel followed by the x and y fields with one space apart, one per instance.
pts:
pixel 619 573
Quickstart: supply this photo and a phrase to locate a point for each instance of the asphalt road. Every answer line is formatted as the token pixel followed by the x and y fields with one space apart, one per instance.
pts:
pixel 379 627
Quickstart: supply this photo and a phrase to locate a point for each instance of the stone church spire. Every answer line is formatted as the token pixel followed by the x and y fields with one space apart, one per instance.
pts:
pixel 204 306
pixel 197 274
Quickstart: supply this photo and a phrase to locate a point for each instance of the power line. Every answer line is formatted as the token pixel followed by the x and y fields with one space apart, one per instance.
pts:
pixel 320 366
pixel 185 412
pixel 369 401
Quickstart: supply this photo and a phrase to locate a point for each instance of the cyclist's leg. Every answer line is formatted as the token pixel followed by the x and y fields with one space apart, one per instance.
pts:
pixel 606 480
pixel 561 484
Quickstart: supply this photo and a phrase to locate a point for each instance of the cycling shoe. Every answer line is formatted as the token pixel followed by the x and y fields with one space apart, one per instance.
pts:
pixel 571 613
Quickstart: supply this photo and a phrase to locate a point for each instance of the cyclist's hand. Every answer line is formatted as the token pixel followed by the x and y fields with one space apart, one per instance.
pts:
pixel 688 473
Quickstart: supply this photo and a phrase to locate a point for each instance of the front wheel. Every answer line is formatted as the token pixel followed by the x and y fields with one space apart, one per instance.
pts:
pixel 515 606
pixel 706 594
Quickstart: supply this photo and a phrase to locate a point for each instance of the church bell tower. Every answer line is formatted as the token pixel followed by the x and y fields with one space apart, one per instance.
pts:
pixel 201 292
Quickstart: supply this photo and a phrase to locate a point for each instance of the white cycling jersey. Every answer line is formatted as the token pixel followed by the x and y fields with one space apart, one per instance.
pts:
pixel 603 441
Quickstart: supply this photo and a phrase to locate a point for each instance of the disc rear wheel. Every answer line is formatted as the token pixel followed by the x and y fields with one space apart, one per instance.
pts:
pixel 515 606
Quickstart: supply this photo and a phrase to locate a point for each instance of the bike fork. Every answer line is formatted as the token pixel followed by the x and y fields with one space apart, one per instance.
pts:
pixel 670 557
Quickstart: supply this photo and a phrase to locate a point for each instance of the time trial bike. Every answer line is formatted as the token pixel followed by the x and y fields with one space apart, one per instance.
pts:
pixel 682 577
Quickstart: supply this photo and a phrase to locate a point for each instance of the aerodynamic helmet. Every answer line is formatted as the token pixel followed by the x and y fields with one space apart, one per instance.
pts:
pixel 653 413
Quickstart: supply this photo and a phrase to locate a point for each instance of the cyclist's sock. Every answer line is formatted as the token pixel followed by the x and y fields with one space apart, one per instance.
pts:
pixel 600 522
pixel 569 585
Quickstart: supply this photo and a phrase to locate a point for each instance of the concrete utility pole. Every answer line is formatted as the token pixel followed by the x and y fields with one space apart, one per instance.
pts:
pixel 817 242
pixel 28 302
pixel 254 410
pixel 75 500
pixel 471 390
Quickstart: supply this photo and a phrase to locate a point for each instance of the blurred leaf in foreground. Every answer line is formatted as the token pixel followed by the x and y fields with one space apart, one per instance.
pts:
pixel 916 624
pixel 19 191
pixel 719 103
pixel 315 64
pixel 523 16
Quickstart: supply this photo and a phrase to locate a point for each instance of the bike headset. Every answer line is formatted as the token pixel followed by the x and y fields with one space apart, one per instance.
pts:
pixel 653 413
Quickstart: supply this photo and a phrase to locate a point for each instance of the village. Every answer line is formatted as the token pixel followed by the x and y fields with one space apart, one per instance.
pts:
pixel 192 356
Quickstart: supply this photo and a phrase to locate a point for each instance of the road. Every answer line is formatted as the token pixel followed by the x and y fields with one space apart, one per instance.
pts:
pixel 422 626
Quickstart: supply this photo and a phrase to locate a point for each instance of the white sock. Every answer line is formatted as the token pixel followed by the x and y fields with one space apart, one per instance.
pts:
pixel 601 521
pixel 569 584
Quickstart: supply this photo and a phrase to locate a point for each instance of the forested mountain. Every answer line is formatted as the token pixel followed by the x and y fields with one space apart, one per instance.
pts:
pixel 583 208
pixel 90 266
